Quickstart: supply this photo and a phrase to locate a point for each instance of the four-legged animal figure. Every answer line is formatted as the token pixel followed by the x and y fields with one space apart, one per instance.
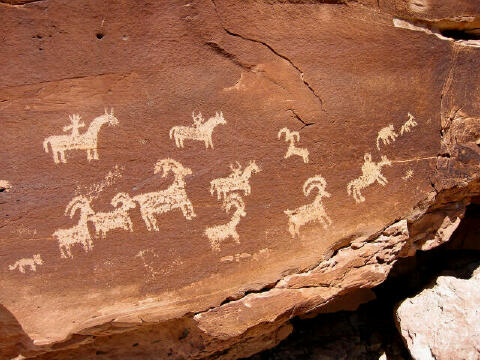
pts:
pixel 291 137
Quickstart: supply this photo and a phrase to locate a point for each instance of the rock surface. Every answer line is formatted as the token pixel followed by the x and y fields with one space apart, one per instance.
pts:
pixel 443 321
pixel 335 137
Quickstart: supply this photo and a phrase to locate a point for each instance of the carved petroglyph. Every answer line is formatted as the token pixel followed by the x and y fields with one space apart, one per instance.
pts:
pixel 217 234
pixel 260 255
pixel 312 212
pixel 76 141
pixel 291 137
pixel 409 124
pixel 200 131
pixel 386 134
pixel 116 219
pixel 408 175
pixel 78 234
pixel 236 181
pixel 94 190
pixel 174 197
pixel 143 254
pixel 371 172
pixel 30 262
pixel 5 186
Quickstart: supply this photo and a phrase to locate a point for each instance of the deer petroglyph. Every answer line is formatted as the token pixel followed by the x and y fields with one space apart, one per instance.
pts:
pixel 236 181
pixel 291 137
pixel 78 234
pixel 116 219
pixel 30 262
pixel 386 134
pixel 409 124
pixel 76 141
pixel 310 212
pixel 174 197
pixel 217 234
pixel 371 172
pixel 201 130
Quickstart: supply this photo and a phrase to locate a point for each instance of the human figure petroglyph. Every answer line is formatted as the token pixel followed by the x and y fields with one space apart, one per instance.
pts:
pixel 219 233
pixel 386 134
pixel 174 197
pixel 291 137
pixel 30 262
pixel 310 212
pixel 236 181
pixel 76 141
pixel 409 124
pixel 201 130
pixel 116 219
pixel 371 172
pixel 78 234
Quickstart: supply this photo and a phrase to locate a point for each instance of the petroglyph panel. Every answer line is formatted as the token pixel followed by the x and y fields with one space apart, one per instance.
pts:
pixel 58 145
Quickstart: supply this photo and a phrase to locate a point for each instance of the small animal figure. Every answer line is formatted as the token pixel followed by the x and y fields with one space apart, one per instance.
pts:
pixel 409 124
pixel 30 262
pixel 291 137
pixel 386 134
pixel 236 181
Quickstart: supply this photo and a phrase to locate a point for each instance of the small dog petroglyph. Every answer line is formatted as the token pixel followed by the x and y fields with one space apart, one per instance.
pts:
pixel 409 124
pixel 30 262
pixel 386 134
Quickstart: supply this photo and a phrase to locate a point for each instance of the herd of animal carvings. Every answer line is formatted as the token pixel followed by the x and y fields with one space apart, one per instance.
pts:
pixel 228 189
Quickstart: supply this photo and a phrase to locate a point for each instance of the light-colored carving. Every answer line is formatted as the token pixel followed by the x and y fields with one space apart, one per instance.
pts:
pixel 310 212
pixel 30 262
pixel 76 141
pixel 371 172
pixel 409 124
pixel 78 234
pixel 174 197
pixel 116 219
pixel 386 134
pixel 291 137
pixel 201 130
pixel 5 186
pixel 94 190
pixel 217 234
pixel 142 254
pixel 408 175
pixel 236 181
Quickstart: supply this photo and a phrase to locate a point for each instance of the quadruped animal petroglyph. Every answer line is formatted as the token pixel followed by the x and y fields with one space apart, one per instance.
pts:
pixel 409 124
pixel 291 137
pixel 174 197
pixel 217 234
pixel 310 212
pixel 238 180
pixel 201 130
pixel 87 141
pixel 30 262
pixel 371 172
pixel 386 135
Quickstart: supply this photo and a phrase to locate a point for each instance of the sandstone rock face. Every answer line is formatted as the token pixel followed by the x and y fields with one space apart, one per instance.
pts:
pixel 183 177
pixel 442 322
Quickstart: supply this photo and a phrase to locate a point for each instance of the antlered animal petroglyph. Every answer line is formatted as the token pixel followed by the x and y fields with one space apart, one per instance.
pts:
pixel 236 181
pixel 386 134
pixel 371 172
pixel 169 199
pixel 201 130
pixel 291 137
pixel 116 219
pixel 310 212
pixel 78 234
pixel 76 141
pixel 409 124
pixel 30 262
pixel 217 234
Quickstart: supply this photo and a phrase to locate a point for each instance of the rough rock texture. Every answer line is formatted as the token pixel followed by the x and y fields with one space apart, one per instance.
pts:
pixel 443 322
pixel 129 229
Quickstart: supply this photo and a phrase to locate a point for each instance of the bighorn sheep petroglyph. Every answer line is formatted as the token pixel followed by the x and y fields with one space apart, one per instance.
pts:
pixel 291 137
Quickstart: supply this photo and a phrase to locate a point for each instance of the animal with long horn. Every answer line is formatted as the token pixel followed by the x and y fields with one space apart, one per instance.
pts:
pixel 291 137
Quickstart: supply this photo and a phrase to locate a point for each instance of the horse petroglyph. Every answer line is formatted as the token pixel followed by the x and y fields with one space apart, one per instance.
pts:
pixel 78 234
pixel 169 199
pixel 30 262
pixel 409 124
pixel 116 219
pixel 236 181
pixel 310 212
pixel 76 141
pixel 217 234
pixel 201 130
pixel 371 172
pixel 291 137
pixel 386 134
